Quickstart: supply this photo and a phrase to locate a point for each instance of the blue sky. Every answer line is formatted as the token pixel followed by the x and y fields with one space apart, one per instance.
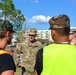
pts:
pixel 38 12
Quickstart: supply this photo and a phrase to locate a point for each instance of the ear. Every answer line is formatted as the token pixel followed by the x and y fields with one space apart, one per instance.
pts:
pixel 7 34
pixel 53 32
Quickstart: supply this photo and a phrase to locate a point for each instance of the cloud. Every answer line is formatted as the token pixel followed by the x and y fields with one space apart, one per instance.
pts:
pixel 36 1
pixel 39 19
pixel 73 1
pixel 21 0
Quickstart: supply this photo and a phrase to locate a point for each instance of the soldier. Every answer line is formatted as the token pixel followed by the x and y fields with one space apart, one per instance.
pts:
pixel 16 56
pixel 9 49
pixel 72 38
pixel 29 50
pixel 58 58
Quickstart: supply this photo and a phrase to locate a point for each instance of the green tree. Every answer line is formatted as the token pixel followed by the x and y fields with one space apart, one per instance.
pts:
pixel 9 12
pixel 20 36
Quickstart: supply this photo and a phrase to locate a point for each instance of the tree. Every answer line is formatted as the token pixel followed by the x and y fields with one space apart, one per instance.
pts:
pixel 9 12
pixel 20 36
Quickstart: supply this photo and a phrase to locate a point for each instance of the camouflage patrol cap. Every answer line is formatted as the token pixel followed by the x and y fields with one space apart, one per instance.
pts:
pixel 6 26
pixel 32 31
pixel 72 32
pixel 60 21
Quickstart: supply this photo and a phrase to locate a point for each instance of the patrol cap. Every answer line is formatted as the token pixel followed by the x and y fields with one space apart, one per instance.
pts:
pixel 72 32
pixel 60 21
pixel 32 31
pixel 6 26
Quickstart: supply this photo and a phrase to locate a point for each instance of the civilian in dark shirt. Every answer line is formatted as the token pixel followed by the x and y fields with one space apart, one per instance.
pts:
pixel 7 66
pixel 6 63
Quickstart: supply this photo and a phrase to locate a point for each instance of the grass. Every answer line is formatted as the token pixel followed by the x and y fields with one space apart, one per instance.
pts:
pixel 18 71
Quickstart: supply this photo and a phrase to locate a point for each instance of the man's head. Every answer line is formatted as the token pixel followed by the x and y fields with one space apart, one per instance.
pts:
pixel 60 21
pixel 6 30
pixel 32 32
pixel 6 26
pixel 60 26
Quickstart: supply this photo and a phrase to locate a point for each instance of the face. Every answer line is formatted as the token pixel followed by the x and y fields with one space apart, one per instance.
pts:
pixel 9 41
pixel 32 38
pixel 71 36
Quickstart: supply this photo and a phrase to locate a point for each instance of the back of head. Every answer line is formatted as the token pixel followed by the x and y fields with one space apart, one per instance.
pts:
pixel 61 24
pixel 4 27
pixel 32 31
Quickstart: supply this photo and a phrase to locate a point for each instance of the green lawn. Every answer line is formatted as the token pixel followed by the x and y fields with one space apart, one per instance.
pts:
pixel 18 71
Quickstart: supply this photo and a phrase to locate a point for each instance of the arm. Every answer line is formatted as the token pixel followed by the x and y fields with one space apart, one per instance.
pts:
pixel 7 66
pixel 39 61
pixel 9 72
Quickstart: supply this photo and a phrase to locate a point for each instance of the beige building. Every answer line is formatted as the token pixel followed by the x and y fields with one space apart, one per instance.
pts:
pixel 44 34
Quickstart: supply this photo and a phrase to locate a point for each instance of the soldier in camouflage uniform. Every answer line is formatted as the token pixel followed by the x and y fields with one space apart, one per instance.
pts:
pixel 16 55
pixel 29 50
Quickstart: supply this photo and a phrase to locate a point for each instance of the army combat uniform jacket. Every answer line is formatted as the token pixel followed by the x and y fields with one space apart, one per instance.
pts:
pixel 29 51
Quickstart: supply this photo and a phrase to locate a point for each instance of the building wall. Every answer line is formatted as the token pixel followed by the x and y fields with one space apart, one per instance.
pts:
pixel 44 34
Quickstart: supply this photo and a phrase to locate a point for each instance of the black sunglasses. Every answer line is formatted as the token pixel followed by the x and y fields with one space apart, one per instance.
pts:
pixel 31 35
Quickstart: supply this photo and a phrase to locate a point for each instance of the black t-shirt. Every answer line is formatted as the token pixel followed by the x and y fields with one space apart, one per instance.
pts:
pixel 6 63
pixel 39 61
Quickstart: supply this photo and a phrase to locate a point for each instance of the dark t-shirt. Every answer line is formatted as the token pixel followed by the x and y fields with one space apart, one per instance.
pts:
pixel 39 61
pixel 6 63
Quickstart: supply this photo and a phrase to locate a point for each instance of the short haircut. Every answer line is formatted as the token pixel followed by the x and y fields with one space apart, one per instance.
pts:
pixel 63 31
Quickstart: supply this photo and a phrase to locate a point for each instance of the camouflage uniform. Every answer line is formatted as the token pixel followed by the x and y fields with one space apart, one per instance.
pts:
pixel 16 55
pixel 29 51
pixel 9 49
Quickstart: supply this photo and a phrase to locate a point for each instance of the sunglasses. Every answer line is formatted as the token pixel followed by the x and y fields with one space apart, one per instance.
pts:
pixel 31 35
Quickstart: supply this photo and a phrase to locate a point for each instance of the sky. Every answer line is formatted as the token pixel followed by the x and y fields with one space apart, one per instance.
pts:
pixel 38 12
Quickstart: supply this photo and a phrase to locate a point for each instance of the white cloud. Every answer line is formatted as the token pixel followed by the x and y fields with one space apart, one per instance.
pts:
pixel 36 1
pixel 73 1
pixel 21 0
pixel 39 19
